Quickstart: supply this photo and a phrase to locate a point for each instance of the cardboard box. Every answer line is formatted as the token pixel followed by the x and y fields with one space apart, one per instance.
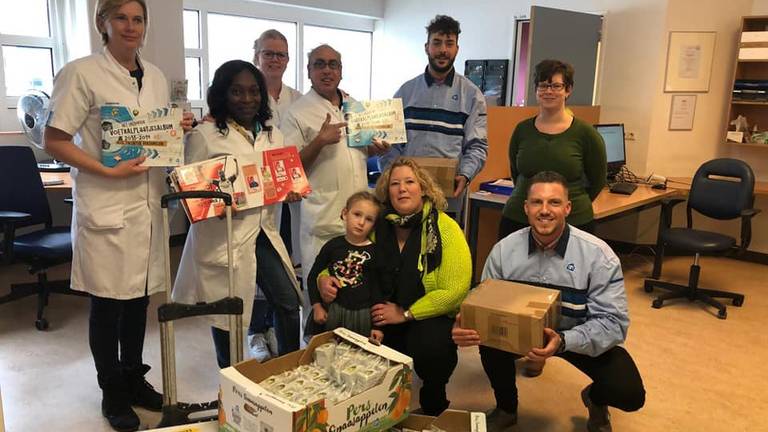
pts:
pixel 448 421
pixel 246 406
pixel 442 170
pixel 209 426
pixel 511 316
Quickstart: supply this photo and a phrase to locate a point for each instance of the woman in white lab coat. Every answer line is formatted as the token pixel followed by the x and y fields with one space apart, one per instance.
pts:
pixel 239 103
pixel 116 223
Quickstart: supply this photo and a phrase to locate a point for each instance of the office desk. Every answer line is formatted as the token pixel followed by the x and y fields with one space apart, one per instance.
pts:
pixel 607 206
pixel 56 176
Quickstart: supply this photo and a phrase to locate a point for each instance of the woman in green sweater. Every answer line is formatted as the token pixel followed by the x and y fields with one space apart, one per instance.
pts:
pixel 555 140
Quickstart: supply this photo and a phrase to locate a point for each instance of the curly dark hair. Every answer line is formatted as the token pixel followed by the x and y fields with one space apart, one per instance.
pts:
pixel 217 94
pixel 546 69
pixel 445 25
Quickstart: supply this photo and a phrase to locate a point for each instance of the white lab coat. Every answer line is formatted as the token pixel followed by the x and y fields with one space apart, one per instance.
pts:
pixel 116 223
pixel 338 172
pixel 202 274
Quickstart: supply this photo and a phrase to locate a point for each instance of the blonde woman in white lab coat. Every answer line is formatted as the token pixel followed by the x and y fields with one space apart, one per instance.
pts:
pixel 238 102
pixel 116 231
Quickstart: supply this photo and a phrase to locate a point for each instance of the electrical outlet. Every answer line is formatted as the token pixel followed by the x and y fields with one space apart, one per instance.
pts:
pixel 629 136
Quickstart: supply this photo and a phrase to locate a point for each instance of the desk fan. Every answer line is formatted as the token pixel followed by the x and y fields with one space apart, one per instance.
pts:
pixel 32 111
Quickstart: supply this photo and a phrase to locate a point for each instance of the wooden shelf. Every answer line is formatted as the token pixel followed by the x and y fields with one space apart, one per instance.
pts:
pixel 764 146
pixel 752 60
pixel 736 102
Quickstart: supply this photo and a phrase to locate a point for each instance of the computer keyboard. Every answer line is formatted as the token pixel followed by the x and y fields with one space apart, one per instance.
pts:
pixel 623 188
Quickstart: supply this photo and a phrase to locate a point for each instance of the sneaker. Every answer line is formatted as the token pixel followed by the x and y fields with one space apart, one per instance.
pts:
pixel 599 417
pixel 533 368
pixel 498 420
pixel 272 342
pixel 257 344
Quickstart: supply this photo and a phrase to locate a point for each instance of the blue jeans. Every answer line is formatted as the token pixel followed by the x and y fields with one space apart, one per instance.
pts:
pixel 277 286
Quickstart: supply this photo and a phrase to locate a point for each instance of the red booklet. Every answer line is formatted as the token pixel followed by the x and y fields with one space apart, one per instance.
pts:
pixel 252 181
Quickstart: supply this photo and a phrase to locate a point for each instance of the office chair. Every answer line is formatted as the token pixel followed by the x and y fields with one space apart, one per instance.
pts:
pixel 24 205
pixel 719 197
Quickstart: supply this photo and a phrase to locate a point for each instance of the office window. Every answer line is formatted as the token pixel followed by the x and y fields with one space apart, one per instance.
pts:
pixel 216 32
pixel 231 37
pixel 28 54
pixel 30 20
pixel 27 68
pixel 355 49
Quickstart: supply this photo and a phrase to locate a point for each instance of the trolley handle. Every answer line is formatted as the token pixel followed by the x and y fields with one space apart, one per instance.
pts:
pixel 165 199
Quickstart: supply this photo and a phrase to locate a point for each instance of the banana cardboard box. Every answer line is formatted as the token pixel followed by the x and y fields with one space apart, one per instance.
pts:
pixel 249 403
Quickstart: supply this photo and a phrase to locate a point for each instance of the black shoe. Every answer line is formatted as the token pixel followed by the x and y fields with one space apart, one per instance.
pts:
pixel 498 420
pixel 143 394
pixel 599 417
pixel 118 412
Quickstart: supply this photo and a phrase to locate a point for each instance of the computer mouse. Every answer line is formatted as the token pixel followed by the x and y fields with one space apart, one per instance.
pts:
pixel 659 186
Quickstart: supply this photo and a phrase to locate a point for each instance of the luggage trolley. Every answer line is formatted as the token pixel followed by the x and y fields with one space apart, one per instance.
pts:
pixel 174 412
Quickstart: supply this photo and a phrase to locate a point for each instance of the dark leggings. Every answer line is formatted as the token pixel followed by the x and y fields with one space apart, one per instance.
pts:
pixel 616 380
pixel 434 355
pixel 116 335
pixel 508 226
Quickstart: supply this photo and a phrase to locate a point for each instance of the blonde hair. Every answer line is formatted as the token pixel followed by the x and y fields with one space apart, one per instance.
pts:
pixel 428 186
pixel 105 8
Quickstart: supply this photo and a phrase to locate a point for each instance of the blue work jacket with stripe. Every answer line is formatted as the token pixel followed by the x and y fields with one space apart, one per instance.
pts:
pixel 443 119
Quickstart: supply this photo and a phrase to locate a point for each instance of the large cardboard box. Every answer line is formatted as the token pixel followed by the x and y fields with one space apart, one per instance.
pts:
pixel 442 170
pixel 246 406
pixel 448 421
pixel 511 316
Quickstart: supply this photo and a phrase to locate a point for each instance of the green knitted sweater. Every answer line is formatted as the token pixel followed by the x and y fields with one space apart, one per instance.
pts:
pixel 578 154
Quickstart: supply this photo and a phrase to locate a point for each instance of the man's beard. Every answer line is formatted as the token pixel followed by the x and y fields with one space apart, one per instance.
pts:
pixel 435 67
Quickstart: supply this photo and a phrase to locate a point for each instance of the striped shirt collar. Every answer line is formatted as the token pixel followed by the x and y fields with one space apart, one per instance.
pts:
pixel 431 80
pixel 559 247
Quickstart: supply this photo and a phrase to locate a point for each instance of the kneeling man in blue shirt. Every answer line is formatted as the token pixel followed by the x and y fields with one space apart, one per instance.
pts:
pixel 594 317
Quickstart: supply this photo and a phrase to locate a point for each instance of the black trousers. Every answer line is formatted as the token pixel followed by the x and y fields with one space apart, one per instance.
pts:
pixel 434 355
pixel 116 335
pixel 508 226
pixel 616 380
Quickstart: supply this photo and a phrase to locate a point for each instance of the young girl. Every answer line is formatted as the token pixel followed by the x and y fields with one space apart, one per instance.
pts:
pixel 349 259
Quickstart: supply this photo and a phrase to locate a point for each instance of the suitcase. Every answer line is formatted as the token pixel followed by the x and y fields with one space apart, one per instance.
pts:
pixel 174 412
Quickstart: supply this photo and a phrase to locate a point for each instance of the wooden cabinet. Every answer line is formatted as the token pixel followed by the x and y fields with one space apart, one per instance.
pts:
pixel 750 95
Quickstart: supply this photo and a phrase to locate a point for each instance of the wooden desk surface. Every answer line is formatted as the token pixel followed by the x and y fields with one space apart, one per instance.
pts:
pixel 606 204
pixel 684 184
pixel 53 176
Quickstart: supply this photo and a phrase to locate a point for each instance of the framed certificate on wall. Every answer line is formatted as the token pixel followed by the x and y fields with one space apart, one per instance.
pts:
pixel 689 61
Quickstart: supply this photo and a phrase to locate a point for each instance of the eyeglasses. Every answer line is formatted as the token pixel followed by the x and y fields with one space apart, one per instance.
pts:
pixel 269 55
pixel 542 86
pixel 321 64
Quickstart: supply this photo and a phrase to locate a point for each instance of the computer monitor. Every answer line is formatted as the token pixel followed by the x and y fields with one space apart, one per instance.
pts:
pixel 613 135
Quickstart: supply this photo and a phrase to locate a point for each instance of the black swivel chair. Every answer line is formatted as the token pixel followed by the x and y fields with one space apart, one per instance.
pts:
pixel 729 195
pixel 24 205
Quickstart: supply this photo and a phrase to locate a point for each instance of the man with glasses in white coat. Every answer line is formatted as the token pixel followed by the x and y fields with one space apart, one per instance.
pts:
pixel 315 124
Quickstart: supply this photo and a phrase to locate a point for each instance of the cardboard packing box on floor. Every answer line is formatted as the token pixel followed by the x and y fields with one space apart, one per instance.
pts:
pixel 246 406
pixel 443 171
pixel 448 421
pixel 511 316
